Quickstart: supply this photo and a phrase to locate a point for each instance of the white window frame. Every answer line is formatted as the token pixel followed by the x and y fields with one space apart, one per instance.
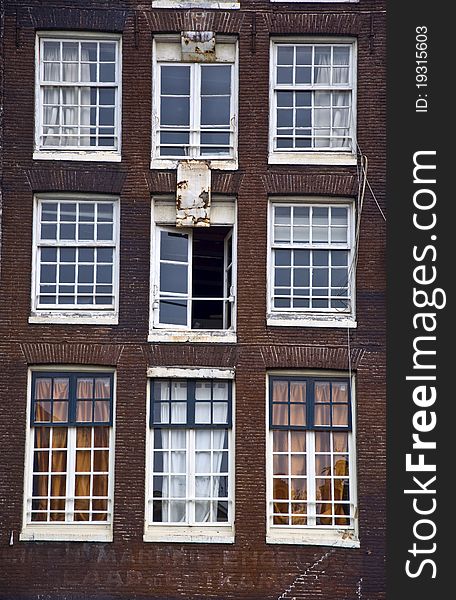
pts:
pixel 311 317
pixel 79 316
pixel 59 531
pixel 317 156
pixel 226 4
pixel 173 57
pixel 222 533
pixel 343 537
pixel 82 154
pixel 163 214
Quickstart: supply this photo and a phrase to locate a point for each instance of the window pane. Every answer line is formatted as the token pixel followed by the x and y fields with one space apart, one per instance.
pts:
pixel 173 246
pixel 297 391
pixel 175 80
pixel 175 111
pixel 280 441
pixel 284 75
pixel 298 415
pixel 107 51
pixel 173 312
pixel 215 110
pixel 215 80
pixel 173 278
pixel 303 55
pixel 280 391
pixel 285 55
pixel 203 412
pixel 280 414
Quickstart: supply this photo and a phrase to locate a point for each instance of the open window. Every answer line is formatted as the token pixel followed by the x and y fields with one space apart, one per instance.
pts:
pixel 193 272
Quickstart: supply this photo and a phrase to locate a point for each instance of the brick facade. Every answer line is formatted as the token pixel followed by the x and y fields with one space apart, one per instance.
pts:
pixel 249 569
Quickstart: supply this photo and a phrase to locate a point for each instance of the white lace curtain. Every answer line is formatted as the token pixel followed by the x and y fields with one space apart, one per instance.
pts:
pixel 175 462
pixel 70 108
pixel 338 125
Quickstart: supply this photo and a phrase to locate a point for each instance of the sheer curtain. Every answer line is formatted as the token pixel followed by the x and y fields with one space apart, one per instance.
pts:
pixel 280 411
pixel 325 124
pixel 322 99
pixel 67 113
pixel 209 449
pixel 207 475
pixel 341 111
pixel 51 95
pixel 85 92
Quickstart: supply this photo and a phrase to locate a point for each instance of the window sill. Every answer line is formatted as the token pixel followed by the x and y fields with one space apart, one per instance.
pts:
pixel 312 158
pixel 207 336
pixel 197 4
pixel 339 538
pixel 74 318
pixel 66 533
pixel 310 320
pixel 192 535
pixel 82 155
pixel 229 164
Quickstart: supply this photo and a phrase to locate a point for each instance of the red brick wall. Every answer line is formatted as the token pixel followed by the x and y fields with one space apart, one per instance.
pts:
pixel 127 567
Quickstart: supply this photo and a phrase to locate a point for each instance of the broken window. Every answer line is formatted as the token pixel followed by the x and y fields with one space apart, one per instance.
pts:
pixel 195 278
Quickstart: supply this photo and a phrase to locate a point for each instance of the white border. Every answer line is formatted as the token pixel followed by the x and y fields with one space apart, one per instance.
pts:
pixel 75 316
pixel 276 318
pixel 80 155
pixel 316 157
pixel 313 536
pixel 211 534
pixel 66 532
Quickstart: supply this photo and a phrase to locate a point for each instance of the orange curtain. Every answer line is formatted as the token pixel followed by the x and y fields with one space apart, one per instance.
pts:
pixel 340 470
pixel 61 389
pixel 43 389
pixel 41 465
pixel 84 396
pixel 280 411
pixel 324 493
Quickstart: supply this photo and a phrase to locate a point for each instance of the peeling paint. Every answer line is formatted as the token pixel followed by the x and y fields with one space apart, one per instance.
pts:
pixel 193 194
pixel 198 46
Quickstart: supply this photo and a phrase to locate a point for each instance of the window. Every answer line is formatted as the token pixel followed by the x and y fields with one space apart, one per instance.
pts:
pixel 311 484
pixel 189 474
pixel 194 114
pixel 226 4
pixel 78 96
pixel 69 457
pixel 193 277
pixel 311 264
pixel 313 102
pixel 76 260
